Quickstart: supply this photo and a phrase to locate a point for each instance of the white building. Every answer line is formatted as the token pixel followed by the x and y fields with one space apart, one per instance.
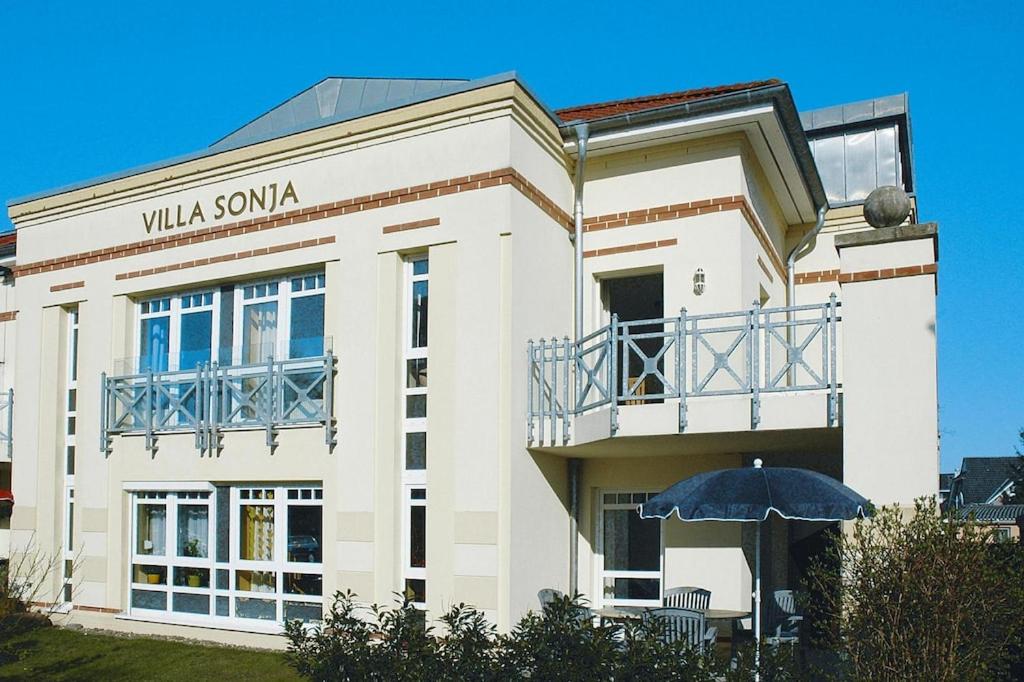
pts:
pixel 223 414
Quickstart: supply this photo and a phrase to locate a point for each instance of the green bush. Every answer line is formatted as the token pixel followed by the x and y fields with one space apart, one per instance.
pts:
pixel 562 643
pixel 920 596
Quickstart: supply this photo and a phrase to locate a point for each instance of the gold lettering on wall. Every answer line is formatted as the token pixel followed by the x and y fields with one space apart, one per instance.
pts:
pixel 264 199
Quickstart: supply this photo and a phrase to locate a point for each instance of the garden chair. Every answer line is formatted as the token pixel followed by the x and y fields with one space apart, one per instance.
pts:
pixel 783 620
pixel 549 595
pixel 683 624
pixel 696 598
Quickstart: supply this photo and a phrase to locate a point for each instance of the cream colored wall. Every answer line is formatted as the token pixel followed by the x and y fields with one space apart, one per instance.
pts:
pixel 890 413
pixel 669 174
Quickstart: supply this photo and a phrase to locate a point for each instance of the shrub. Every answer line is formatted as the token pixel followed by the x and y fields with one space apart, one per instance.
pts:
pixel 562 643
pixel 920 597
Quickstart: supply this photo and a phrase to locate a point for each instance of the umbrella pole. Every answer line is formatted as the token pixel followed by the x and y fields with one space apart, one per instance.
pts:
pixel 757 603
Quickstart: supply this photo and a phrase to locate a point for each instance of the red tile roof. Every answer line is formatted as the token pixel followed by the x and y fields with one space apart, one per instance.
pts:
pixel 8 238
pixel 589 112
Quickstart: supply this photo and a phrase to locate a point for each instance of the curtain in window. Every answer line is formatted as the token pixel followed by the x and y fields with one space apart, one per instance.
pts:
pixel 257 532
pixel 193 528
pixel 259 332
pixel 154 344
pixel 152 530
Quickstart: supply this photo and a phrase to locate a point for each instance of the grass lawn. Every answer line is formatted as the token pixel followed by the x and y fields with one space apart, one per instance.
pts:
pixel 55 654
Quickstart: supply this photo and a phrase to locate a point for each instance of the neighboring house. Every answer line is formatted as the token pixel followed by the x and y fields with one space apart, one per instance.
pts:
pixel 1006 518
pixel 984 487
pixel 223 360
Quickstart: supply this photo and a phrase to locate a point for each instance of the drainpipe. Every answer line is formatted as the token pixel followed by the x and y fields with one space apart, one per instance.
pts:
pixel 582 131
pixel 582 134
pixel 791 279
pixel 575 464
pixel 791 260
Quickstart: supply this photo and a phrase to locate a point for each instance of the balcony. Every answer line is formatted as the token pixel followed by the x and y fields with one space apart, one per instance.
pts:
pixel 704 364
pixel 7 424
pixel 214 398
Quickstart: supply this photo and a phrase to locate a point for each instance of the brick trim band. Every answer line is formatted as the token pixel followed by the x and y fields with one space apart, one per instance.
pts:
pixel 630 247
pixel 68 285
pixel 655 214
pixel 226 257
pixel 8 316
pixel 414 225
pixel 466 183
pixel 819 276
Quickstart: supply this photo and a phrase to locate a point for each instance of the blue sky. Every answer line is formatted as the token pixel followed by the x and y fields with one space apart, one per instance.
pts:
pixel 91 88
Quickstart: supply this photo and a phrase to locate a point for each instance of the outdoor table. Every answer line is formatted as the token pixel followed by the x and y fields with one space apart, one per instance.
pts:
pixel 619 613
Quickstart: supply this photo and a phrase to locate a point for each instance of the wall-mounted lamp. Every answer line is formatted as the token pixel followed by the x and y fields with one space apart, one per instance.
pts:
pixel 698 281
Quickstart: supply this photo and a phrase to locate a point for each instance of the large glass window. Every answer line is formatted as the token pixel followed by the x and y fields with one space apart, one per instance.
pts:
pixel 630 551
pixel 280 318
pixel 177 332
pixel 70 444
pixel 414 444
pixel 271 571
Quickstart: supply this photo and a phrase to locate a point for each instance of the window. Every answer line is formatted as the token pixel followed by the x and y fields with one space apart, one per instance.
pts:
pixel 414 427
pixel 177 332
pixel 240 555
pixel 630 551
pixel 70 431
pixel 280 318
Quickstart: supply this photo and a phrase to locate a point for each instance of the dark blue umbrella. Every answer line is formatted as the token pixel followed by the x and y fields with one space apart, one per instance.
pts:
pixel 751 494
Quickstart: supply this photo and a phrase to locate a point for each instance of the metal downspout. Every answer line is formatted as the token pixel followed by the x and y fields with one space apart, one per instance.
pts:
pixel 574 465
pixel 791 278
pixel 582 134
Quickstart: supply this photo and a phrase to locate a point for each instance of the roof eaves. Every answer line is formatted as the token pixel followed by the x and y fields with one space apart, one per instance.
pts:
pixel 776 93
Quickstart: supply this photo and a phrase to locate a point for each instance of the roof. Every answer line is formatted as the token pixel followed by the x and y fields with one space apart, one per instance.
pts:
pixel 8 243
pixel 854 112
pixel 945 480
pixel 590 112
pixel 337 99
pixel 981 478
pixel 334 99
pixel 993 513
pixel 297 114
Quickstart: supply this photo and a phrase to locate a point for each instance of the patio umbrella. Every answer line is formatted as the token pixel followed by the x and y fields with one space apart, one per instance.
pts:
pixel 751 494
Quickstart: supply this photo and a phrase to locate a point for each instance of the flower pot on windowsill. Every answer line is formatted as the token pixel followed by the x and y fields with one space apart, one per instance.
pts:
pixel 153 578
pixel 193 581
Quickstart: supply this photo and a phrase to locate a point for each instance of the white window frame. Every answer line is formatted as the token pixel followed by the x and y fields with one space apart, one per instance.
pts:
pixel 283 297
pixel 73 342
pixel 174 496
pixel 414 425
pixel 412 479
pixel 175 312
pixel 600 574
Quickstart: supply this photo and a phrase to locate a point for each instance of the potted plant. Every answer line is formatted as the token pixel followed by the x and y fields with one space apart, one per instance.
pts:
pixel 193 576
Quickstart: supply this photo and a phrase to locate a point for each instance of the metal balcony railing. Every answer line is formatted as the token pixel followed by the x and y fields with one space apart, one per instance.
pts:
pixel 748 352
pixel 213 398
pixel 7 422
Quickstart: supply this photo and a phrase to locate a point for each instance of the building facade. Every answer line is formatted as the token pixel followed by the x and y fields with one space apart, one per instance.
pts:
pixel 223 409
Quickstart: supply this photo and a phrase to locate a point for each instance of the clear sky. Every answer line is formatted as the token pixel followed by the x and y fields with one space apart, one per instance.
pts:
pixel 91 88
